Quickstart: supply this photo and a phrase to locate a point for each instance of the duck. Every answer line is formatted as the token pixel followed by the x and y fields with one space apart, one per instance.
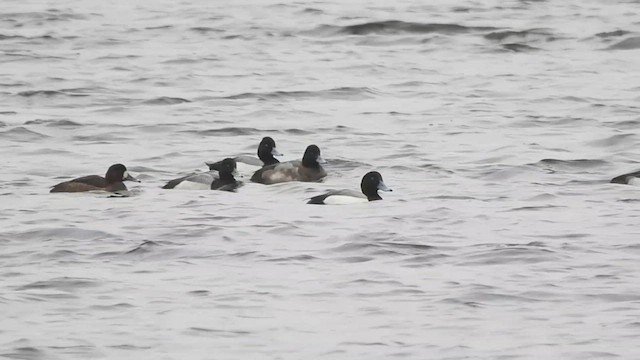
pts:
pixel 203 180
pixel 630 178
pixel 370 185
pixel 247 165
pixel 195 181
pixel 226 181
pixel 112 181
pixel 308 169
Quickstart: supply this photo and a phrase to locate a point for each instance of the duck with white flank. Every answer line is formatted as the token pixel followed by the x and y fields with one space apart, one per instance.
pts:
pixel 370 184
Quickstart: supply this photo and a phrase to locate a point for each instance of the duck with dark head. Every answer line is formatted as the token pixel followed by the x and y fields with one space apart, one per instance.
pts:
pixel 249 164
pixel 307 169
pixel 226 181
pixel 112 181
pixel 370 185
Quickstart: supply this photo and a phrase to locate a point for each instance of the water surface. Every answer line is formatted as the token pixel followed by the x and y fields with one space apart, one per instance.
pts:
pixel 497 124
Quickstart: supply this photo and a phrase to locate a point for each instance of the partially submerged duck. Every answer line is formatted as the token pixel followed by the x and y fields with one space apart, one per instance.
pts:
pixel 112 181
pixel 370 185
pixel 307 169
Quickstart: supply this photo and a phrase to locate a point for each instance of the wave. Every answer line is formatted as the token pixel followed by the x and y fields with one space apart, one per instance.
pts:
pixel 626 44
pixel 165 100
pixel 104 138
pixel 21 134
pixel 519 47
pixel 25 352
pixel 53 123
pixel 497 254
pixel 612 33
pixel 50 15
pixel 224 131
pixel 396 27
pixel 577 164
pixel 51 93
pixel 243 131
pixel 66 284
pixel 62 232
pixel 335 93
pixel 206 30
pixel 509 34
pixel 14 84
pixel 312 11
pixel 7 37
pixel 624 124
pixel 625 140
pixel 41 37
pixel 144 248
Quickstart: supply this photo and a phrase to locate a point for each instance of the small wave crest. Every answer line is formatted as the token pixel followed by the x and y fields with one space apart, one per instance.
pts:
pixel 165 100
pixel 50 93
pixel 631 43
pixel 619 140
pixel 519 35
pixel 349 93
pixel 205 30
pixel 515 47
pixel 577 164
pixel 226 131
pixel 496 254
pixel 65 284
pixel 21 134
pixel 395 27
pixel 24 352
pixel 53 122
pixel 609 34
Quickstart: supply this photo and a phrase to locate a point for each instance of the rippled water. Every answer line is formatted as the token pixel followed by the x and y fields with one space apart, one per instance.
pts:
pixel 498 125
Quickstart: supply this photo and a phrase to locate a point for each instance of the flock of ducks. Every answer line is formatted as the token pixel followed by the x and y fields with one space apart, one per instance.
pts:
pixel 266 169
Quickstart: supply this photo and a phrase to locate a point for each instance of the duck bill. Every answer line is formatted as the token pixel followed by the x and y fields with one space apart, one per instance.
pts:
pixel 383 187
pixel 320 160
pixel 128 177
pixel 275 152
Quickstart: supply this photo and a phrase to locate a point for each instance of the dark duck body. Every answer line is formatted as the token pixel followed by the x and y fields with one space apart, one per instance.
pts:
pixel 112 181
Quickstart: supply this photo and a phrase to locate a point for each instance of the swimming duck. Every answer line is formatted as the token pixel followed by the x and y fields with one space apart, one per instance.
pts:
pixel 205 180
pixel 370 184
pixel 307 169
pixel 112 181
pixel 226 181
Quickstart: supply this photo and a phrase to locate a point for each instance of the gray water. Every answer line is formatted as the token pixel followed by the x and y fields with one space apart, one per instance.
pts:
pixel 498 124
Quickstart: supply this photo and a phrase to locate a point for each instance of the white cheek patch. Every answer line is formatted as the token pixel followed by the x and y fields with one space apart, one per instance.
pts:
pixel 125 175
pixel 344 200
